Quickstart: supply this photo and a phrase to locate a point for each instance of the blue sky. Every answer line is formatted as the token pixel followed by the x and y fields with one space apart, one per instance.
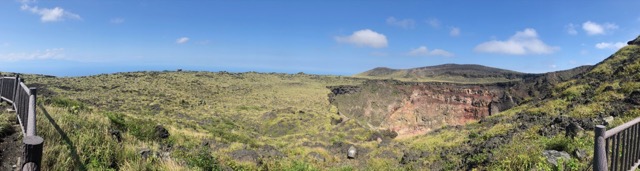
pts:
pixel 85 37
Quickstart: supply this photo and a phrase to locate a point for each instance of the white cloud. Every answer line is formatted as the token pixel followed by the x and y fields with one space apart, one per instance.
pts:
pixel 553 66
pixel 593 28
pixel 522 43
pixel 434 22
pixel 116 20
pixel 364 37
pixel 571 29
pixel 424 51
pixel 56 53
pixel 404 23
pixel 455 31
pixel 182 40
pixel 50 15
pixel 610 45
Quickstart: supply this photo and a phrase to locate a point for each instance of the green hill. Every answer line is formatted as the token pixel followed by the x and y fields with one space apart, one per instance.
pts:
pixel 461 73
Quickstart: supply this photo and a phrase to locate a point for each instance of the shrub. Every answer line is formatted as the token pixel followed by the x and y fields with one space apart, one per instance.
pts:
pixel 204 160
pixel 73 106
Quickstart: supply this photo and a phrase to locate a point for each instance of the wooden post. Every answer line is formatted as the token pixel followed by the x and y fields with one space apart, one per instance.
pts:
pixel 1 87
pixel 600 153
pixel 32 150
pixel 31 117
pixel 15 89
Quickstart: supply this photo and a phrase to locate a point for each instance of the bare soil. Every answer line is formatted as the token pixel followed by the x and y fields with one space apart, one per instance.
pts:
pixel 11 150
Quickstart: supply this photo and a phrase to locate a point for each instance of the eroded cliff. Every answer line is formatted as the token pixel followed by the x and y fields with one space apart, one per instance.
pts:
pixel 413 108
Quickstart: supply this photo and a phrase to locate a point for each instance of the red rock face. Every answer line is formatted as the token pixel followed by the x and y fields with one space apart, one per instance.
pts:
pixel 419 108
pixel 430 107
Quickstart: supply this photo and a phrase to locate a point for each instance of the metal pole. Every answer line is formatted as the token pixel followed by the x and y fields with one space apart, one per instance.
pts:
pixel 600 153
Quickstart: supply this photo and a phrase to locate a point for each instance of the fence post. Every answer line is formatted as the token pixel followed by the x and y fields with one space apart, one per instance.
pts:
pixel 15 88
pixel 31 116
pixel 599 152
pixel 32 151
pixel 1 87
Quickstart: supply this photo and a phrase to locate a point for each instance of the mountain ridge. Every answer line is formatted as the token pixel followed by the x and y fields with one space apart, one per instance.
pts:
pixel 450 72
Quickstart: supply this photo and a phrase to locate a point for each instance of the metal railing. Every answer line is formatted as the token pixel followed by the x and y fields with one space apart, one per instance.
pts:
pixel 23 102
pixel 618 148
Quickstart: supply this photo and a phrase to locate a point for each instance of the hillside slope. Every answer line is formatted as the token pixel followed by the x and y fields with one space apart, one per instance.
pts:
pixel 563 122
pixel 544 114
pixel 462 73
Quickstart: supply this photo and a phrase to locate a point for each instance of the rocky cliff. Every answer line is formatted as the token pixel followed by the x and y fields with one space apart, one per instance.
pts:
pixel 414 108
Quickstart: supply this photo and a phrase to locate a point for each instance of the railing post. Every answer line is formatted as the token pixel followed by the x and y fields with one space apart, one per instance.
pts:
pixel 600 153
pixel 1 87
pixel 15 89
pixel 32 151
pixel 31 117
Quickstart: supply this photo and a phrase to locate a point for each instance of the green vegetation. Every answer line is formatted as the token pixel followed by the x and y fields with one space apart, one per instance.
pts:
pixel 445 73
pixel 226 111
pixel 6 118
pixel 259 121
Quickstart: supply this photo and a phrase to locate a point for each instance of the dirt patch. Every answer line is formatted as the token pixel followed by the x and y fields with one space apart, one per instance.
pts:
pixel 10 150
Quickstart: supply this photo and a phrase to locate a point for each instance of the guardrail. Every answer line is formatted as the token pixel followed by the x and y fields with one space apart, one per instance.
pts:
pixel 23 102
pixel 618 148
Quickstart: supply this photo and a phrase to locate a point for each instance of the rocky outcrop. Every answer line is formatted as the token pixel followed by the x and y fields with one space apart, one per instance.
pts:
pixel 339 90
pixel 634 41
pixel 409 108
pixel 161 132
pixel 414 108
pixel 553 156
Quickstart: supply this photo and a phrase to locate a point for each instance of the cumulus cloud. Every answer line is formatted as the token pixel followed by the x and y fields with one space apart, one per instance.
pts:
pixel 404 23
pixel 182 40
pixel 56 53
pixel 116 20
pixel 522 43
pixel 50 14
pixel 433 22
pixel 364 37
pixel 571 29
pixel 593 28
pixel 610 45
pixel 455 31
pixel 424 51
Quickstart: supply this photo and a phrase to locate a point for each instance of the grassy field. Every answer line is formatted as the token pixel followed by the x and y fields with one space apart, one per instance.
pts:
pixel 211 117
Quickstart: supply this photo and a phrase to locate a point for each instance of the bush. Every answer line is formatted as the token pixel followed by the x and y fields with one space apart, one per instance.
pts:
pixel 204 160
pixel 559 144
pixel 73 106
pixel 117 120
pixel 139 128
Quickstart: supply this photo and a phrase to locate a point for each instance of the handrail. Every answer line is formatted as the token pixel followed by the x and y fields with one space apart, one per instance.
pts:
pixel 617 129
pixel 618 148
pixel 23 101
